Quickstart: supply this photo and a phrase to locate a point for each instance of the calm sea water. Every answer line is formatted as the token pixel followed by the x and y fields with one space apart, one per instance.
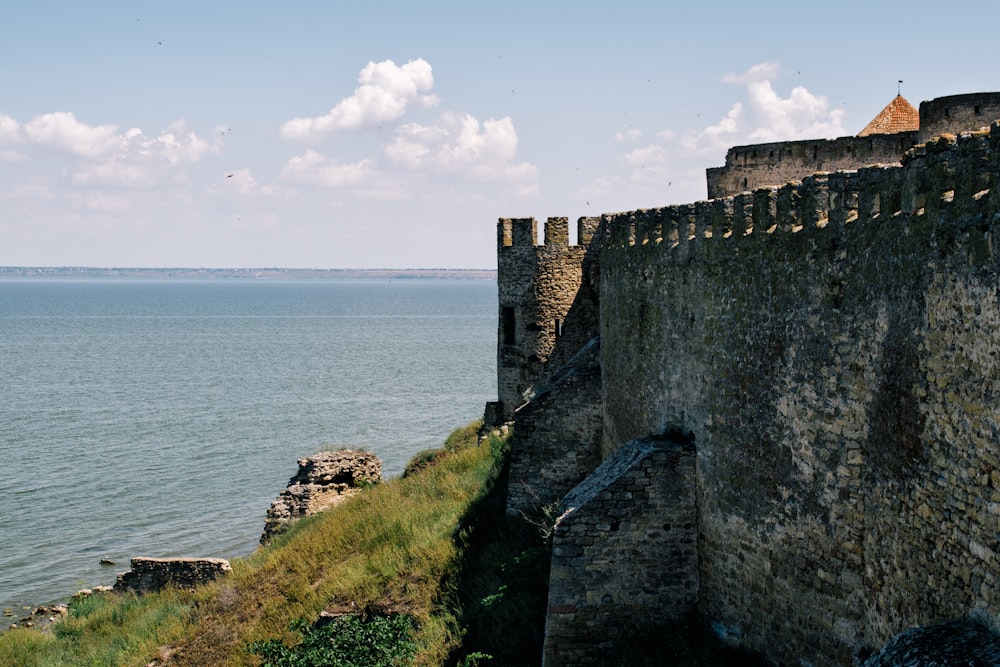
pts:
pixel 162 417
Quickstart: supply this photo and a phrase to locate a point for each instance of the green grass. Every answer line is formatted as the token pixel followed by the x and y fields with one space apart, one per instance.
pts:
pixel 429 567
pixel 397 549
pixel 101 630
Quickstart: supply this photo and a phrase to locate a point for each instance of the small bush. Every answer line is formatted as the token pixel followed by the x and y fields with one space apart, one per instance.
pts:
pixel 347 641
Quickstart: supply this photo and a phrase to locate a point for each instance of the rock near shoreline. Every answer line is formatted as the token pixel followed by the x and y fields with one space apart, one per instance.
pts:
pixel 323 480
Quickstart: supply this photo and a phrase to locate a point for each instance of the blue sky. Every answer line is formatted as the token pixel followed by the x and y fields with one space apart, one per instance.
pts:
pixel 394 134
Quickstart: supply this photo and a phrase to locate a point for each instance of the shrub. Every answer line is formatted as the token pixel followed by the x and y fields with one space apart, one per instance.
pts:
pixel 347 641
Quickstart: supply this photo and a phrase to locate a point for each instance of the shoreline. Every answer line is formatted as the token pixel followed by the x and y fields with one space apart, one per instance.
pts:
pixel 168 273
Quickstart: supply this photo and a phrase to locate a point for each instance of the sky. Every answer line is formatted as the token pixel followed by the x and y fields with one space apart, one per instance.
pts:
pixel 384 134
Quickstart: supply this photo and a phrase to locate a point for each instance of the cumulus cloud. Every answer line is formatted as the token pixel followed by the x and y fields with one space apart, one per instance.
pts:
pixel 101 153
pixel 311 167
pixel 10 129
pixel 676 158
pixel 719 136
pixel 460 144
pixel 766 116
pixel 384 93
pixel 801 115
pixel 61 131
pixel 179 144
pixel 756 74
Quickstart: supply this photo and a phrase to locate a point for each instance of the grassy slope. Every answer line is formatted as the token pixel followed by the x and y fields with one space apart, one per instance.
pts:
pixel 405 546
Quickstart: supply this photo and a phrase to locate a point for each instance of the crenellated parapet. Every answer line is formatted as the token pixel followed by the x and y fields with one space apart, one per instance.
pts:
pixel 751 167
pixel 536 285
pixel 828 347
pixel 949 176
pixel 831 345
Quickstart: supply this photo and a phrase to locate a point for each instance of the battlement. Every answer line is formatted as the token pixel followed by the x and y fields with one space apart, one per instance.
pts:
pixel 523 232
pixel 829 346
pixel 751 167
pixel 536 285
pixel 933 177
pixel 957 113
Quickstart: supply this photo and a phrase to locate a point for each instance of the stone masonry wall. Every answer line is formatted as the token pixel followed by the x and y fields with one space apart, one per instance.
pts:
pixel 557 438
pixel 624 555
pixel 149 575
pixel 834 347
pixel 752 167
pixel 749 168
pixel 957 113
pixel 536 286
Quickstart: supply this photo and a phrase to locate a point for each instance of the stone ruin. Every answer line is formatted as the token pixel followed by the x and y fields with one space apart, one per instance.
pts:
pixel 323 480
pixel 149 575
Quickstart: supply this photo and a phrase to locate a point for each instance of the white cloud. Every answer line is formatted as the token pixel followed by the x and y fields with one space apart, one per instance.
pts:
pixel 311 167
pixel 61 131
pixel 179 144
pixel 673 166
pixel 460 144
pixel 10 130
pixel 801 115
pixel 384 94
pixel 631 134
pixel 756 74
pixel 766 116
pixel 105 156
pixel 716 137
pixel 101 154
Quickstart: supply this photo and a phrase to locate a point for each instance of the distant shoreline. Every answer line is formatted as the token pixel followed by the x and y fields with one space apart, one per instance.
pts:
pixel 243 274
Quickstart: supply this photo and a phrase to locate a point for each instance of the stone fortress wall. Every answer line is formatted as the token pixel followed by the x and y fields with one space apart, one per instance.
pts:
pixel 957 113
pixel 748 168
pixel 829 352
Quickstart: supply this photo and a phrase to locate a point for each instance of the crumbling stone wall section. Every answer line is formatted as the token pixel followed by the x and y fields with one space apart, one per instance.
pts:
pixel 323 480
pixel 149 575
pixel 556 441
pixel 624 555
pixel 536 285
pixel 834 347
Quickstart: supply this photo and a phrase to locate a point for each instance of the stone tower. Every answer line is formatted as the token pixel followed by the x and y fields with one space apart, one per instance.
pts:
pixel 536 286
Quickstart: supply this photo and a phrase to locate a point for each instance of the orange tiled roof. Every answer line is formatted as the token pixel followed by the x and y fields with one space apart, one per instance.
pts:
pixel 898 116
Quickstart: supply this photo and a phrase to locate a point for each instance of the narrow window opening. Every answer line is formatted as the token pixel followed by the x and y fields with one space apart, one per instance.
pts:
pixel 978 111
pixel 507 319
pixel 745 183
pixel 558 327
pixel 815 152
pixel 947 113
